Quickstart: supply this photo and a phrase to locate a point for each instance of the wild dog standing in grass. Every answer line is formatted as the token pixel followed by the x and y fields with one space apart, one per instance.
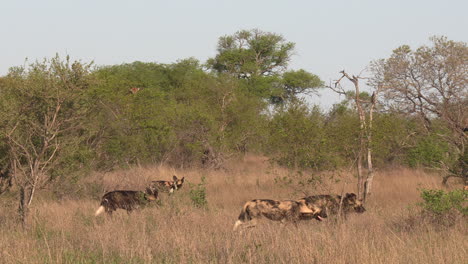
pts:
pixel 324 205
pixel 283 211
pixel 167 186
pixel 127 200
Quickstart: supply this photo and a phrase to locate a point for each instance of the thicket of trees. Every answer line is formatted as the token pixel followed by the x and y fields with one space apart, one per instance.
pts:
pixel 60 119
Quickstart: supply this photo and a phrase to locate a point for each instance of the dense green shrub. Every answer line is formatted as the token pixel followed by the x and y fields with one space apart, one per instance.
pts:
pixel 297 138
pixel 439 202
pixel 198 193
pixel 429 151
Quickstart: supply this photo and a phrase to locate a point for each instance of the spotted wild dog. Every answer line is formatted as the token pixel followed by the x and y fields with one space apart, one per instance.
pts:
pixel 127 200
pixel 325 205
pixel 167 186
pixel 287 210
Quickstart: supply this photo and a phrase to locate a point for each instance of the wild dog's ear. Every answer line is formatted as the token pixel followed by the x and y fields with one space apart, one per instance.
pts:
pixel 182 180
pixel 174 178
pixel 350 195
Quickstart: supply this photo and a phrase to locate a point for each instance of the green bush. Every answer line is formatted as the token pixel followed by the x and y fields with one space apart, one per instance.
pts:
pixel 429 151
pixel 439 202
pixel 198 194
pixel 298 140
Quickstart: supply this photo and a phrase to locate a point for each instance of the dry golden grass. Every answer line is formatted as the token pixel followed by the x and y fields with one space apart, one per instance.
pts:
pixel 175 231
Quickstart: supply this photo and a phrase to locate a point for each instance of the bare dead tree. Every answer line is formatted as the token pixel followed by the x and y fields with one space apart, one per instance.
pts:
pixel 364 186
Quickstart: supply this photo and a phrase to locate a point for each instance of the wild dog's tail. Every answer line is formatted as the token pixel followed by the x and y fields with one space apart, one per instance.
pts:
pixel 104 204
pixel 100 210
pixel 244 216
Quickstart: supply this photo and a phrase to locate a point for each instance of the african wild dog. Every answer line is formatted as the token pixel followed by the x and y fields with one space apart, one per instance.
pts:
pixel 127 200
pixel 283 211
pixel 167 186
pixel 324 205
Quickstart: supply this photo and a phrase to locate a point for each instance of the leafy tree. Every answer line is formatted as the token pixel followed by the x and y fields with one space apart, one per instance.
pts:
pixel 43 107
pixel 297 139
pixel 131 127
pixel 181 114
pixel 394 135
pixel 220 119
pixel 293 83
pixel 261 59
pixel 431 82
pixel 248 54
pixel 440 202
pixel 428 151
pixel 341 133
pixel 444 207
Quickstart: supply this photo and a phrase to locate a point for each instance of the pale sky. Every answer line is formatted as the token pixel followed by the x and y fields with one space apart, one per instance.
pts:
pixel 329 35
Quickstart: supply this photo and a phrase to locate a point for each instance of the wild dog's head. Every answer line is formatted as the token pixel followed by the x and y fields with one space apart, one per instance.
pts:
pixel 177 183
pixel 351 202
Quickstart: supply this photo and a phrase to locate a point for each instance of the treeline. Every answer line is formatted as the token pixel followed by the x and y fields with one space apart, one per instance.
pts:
pixel 60 118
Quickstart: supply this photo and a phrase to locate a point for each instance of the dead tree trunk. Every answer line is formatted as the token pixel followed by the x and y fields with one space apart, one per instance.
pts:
pixel 370 175
pixel 365 134
pixel 370 168
pixel 362 130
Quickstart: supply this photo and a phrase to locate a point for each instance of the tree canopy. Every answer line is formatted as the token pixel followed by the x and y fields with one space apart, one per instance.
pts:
pixel 248 54
pixel 431 81
pixel 262 58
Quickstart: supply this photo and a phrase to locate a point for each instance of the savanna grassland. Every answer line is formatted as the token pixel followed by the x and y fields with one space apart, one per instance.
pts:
pixel 175 230
pixel 238 126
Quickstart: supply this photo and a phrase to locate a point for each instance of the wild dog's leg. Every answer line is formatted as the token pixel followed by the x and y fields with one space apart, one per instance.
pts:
pixel 252 223
pixel 109 211
pixel 130 207
pixel 283 222
pixel 248 224
pixel 237 224
pixel 294 222
pixel 292 218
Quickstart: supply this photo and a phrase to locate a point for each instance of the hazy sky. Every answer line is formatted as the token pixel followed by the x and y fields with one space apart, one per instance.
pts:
pixel 329 35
